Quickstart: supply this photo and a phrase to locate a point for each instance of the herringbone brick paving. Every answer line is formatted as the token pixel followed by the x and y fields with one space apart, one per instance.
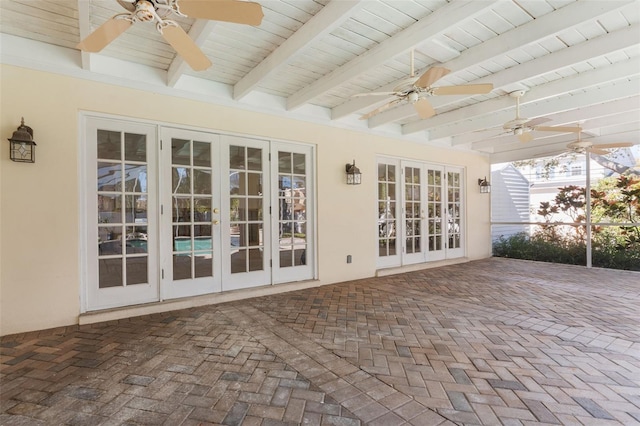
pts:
pixel 497 341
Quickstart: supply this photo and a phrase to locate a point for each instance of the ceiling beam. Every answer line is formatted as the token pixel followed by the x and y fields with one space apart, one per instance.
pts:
pixel 531 32
pixel 478 113
pixel 199 32
pixel 322 23
pixel 436 23
pixel 555 105
pixel 599 46
pixel 84 25
pixel 558 146
pixel 591 118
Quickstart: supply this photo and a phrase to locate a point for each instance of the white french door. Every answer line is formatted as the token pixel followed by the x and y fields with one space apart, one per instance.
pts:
pixel 179 213
pixel 246 235
pixel 413 213
pixel 292 216
pixel 444 212
pixel 401 213
pixel 454 214
pixel 190 211
pixel 420 212
pixel 120 214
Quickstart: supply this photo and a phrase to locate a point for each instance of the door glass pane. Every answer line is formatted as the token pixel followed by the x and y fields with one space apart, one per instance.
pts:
pixel 292 209
pixel 181 209
pixel 202 181
pixel 238 261
pixel 122 204
pixel 136 240
pixel 284 162
pixel 203 264
pixel 109 208
pixel 109 145
pixel 299 164
pixel 109 176
pixel 181 180
pixel 136 270
pixel 202 209
pixel 254 184
pixel 236 157
pixel 135 147
pixel 386 210
pixel 246 221
pixel 202 154
pixel 110 273
pixel 180 152
pixel 254 159
pixel 192 184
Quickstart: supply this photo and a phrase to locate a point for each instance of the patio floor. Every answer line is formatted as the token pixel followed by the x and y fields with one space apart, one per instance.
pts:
pixel 496 341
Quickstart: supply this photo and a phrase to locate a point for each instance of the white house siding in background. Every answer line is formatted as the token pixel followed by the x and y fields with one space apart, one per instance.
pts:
pixel 509 201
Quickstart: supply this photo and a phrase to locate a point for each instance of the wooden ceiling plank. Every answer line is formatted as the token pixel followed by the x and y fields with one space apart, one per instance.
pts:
pixel 435 23
pixel 592 119
pixel 549 90
pixel 327 19
pixel 552 106
pixel 565 58
pixel 528 34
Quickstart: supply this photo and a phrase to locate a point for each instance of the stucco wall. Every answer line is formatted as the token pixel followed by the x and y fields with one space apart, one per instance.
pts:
pixel 39 212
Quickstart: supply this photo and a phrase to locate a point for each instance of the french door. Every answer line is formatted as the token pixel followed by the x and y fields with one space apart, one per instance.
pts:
pixel 121 218
pixel 401 213
pixel 444 212
pixel 180 213
pixel 190 212
pixel 420 216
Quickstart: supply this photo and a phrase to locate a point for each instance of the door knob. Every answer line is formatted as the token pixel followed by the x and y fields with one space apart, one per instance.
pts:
pixel 215 222
pixel 216 210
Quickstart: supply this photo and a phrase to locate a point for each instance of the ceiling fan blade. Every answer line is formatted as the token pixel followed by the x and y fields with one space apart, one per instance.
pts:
pixel 598 151
pixel 464 89
pixel 424 108
pixel 525 137
pixel 358 95
pixel 380 109
pixel 104 34
pixel 239 12
pixel 182 43
pixel 559 129
pixel 535 122
pixel 612 145
pixel 430 76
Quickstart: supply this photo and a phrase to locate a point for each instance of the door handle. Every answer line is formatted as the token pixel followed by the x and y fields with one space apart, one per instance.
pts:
pixel 216 210
pixel 216 222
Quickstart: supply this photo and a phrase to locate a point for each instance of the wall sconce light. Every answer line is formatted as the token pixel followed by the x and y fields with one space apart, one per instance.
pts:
pixel 485 186
pixel 353 174
pixel 22 147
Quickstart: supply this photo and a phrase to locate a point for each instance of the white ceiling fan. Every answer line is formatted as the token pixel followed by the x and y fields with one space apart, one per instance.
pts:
pixel 415 92
pixel 580 146
pixel 522 127
pixel 241 12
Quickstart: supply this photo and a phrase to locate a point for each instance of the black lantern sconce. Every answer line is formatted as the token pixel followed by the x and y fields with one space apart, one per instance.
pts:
pixel 485 186
pixel 353 174
pixel 22 147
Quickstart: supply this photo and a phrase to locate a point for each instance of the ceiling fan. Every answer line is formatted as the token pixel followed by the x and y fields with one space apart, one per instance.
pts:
pixel 522 127
pixel 582 147
pixel 241 12
pixel 415 92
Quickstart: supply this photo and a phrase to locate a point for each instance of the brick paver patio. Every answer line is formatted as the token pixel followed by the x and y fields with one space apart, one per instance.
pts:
pixel 488 342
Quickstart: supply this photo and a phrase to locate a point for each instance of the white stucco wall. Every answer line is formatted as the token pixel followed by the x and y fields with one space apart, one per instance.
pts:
pixel 39 211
